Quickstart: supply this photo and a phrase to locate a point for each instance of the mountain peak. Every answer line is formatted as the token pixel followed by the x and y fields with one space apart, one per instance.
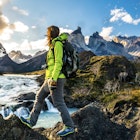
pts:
pixel 77 31
pixel 96 35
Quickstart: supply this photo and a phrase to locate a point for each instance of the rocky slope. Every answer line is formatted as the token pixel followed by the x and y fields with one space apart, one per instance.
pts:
pixel 35 63
pixel 7 65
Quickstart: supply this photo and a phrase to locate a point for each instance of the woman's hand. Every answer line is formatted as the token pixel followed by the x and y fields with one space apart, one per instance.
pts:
pixel 52 84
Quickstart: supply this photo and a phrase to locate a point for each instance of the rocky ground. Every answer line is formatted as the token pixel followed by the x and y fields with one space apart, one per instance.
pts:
pixel 91 122
pixel 102 115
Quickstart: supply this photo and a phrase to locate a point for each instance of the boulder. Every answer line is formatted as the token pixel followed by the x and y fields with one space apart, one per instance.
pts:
pixel 13 129
pixel 92 124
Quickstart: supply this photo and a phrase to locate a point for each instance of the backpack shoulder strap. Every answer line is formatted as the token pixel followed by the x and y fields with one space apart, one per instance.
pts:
pixel 54 45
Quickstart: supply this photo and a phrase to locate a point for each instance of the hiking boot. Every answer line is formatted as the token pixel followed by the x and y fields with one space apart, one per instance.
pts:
pixel 65 131
pixel 26 121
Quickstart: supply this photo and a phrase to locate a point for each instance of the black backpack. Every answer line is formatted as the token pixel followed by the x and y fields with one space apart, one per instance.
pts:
pixel 70 60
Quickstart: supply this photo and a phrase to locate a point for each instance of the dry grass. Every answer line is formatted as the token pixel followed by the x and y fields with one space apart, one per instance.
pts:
pixel 39 72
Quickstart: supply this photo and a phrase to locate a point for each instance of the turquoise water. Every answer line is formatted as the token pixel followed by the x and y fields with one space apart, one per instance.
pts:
pixel 48 119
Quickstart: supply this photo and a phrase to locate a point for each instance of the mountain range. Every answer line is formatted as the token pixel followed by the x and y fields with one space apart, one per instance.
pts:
pixel 18 57
pixel 130 44
pixel 100 46
pixel 15 61
pixel 7 65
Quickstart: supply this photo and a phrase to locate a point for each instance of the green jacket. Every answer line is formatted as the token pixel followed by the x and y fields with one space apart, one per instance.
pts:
pixel 54 58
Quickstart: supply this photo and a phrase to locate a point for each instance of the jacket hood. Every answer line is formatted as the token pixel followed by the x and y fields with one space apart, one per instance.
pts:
pixel 61 37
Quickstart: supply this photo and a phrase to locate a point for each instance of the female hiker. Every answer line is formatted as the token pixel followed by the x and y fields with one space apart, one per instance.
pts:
pixel 53 83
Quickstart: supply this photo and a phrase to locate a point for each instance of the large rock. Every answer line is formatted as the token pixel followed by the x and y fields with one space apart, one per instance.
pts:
pixel 92 124
pixel 13 129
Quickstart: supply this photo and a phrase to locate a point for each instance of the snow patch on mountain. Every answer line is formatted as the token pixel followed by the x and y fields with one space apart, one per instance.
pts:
pixel 18 57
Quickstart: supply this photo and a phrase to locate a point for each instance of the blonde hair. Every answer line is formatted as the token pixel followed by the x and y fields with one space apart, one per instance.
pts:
pixel 52 32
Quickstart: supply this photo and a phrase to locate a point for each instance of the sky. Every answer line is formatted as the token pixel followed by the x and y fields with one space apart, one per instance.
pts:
pixel 23 23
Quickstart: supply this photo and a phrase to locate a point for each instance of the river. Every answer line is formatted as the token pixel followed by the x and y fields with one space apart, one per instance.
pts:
pixel 14 85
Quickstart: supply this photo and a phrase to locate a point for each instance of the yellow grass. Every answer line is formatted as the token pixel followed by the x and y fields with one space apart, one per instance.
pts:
pixel 39 72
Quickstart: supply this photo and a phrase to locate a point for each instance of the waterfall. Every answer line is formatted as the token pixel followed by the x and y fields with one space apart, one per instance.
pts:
pixel 50 106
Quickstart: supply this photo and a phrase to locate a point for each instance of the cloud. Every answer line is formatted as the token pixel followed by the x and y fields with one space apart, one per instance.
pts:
pixel 0 3
pixel 26 47
pixel 39 44
pixel 6 34
pixel 7 29
pixel 105 33
pixel 33 27
pixel 20 11
pixel 9 46
pixel 31 47
pixel 3 23
pixel 20 27
pixel 136 21
pixel 121 14
pixel 62 30
pixel 3 2
pixel 86 39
